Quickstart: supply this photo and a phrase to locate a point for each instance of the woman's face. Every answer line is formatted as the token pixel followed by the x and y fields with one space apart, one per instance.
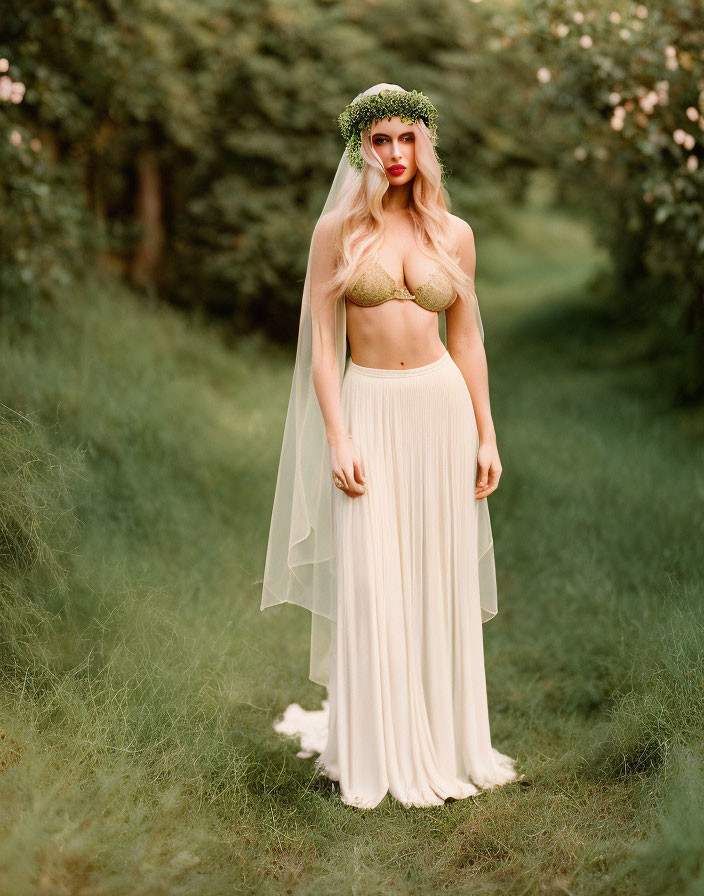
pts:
pixel 394 142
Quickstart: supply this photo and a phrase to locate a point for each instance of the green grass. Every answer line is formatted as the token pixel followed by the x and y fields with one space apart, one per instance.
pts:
pixel 140 681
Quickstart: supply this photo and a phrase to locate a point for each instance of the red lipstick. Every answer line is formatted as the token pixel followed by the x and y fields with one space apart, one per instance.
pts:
pixel 396 169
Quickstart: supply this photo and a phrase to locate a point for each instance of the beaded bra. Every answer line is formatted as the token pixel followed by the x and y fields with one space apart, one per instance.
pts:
pixel 376 286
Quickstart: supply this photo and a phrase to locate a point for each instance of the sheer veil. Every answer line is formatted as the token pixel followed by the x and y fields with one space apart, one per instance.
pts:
pixel 300 565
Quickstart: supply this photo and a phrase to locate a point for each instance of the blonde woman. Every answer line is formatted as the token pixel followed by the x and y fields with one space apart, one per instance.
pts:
pixel 380 525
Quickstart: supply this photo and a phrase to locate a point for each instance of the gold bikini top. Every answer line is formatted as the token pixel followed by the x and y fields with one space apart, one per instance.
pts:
pixel 376 286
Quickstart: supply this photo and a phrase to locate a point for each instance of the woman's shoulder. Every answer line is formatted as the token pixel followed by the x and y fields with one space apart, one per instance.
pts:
pixel 325 226
pixel 461 228
pixel 323 232
pixel 327 221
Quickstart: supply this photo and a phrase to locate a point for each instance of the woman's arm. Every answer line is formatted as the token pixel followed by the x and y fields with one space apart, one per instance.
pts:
pixel 464 343
pixel 345 460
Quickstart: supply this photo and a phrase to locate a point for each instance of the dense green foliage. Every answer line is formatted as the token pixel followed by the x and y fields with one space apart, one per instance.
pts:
pixel 191 144
pixel 621 112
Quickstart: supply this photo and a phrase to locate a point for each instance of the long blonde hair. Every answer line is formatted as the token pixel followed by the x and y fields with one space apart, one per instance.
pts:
pixel 359 223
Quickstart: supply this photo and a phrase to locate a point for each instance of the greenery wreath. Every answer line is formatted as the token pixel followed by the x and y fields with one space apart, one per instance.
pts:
pixel 408 105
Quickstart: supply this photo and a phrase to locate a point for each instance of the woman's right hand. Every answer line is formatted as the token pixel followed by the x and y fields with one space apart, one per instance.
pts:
pixel 347 464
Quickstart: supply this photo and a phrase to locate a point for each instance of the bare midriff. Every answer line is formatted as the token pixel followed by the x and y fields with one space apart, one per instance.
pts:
pixel 396 335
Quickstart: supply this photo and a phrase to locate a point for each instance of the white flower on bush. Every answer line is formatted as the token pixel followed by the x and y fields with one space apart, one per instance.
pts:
pixel 11 90
pixel 543 75
pixel 648 101
pixel 683 138
pixel 617 119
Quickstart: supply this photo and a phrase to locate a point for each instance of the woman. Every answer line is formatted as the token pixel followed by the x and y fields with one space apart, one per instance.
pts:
pixel 380 524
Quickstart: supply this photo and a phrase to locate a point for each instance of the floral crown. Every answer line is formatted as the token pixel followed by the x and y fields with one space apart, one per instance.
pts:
pixel 408 105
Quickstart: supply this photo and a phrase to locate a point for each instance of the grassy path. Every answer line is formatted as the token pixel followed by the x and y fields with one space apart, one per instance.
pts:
pixel 140 680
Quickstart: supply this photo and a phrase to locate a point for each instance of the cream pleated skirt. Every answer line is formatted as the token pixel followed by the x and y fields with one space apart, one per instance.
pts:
pixel 407 706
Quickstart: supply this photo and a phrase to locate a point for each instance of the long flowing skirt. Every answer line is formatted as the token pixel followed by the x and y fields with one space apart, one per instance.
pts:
pixel 407 706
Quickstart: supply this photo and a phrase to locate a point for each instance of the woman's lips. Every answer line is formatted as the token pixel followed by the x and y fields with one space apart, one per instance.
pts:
pixel 396 169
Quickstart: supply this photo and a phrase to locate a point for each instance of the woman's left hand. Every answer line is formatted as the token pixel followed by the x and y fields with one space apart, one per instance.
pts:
pixel 488 469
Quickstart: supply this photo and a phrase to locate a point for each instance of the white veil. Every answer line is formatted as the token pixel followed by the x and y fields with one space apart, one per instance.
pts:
pixel 300 564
